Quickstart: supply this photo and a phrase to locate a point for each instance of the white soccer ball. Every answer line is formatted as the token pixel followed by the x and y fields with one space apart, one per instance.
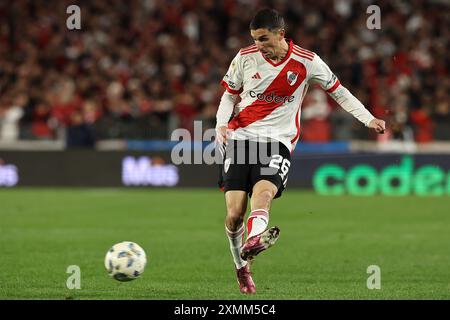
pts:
pixel 125 261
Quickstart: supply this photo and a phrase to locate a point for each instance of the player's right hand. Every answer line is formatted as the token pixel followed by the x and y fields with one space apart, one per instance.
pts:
pixel 221 134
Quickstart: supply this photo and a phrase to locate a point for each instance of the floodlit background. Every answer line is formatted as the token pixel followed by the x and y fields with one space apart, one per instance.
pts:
pixel 86 118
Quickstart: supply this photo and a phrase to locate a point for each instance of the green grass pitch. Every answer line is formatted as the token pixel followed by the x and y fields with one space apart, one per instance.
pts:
pixel 325 245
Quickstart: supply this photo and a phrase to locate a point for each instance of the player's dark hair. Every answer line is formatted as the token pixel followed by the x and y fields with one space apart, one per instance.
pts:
pixel 267 19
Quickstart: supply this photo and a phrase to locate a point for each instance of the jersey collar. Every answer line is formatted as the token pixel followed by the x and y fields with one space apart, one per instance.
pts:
pixel 291 45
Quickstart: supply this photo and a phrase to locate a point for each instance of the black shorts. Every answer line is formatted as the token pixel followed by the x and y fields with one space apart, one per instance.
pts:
pixel 247 162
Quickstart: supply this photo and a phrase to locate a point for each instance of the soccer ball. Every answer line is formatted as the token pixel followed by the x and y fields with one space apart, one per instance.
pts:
pixel 125 261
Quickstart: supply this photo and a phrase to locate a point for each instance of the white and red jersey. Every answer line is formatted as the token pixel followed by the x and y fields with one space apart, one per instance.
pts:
pixel 272 93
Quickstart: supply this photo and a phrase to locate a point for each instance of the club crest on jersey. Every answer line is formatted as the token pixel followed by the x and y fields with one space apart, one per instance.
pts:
pixel 292 77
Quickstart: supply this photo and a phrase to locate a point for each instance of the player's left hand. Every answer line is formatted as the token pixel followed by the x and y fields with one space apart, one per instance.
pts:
pixel 378 125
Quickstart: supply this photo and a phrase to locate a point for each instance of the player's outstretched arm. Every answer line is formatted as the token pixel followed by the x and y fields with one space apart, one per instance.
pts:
pixel 352 105
pixel 322 75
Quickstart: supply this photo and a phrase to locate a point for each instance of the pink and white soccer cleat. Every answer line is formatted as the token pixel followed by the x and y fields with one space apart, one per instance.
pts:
pixel 244 277
pixel 256 244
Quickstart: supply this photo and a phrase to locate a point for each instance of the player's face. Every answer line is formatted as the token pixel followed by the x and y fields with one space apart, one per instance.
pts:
pixel 268 42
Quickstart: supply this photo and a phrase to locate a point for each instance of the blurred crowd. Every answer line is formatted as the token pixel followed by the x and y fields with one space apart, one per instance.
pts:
pixel 138 69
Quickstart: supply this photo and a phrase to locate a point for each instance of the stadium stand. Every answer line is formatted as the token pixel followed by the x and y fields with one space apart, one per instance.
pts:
pixel 139 69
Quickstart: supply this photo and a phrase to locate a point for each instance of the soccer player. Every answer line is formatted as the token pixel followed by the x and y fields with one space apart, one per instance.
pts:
pixel 265 85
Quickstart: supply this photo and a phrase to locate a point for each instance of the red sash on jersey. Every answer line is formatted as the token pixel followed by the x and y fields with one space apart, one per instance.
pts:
pixel 283 85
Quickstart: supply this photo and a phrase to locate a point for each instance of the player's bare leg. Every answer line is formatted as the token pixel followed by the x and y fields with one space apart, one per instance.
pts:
pixel 236 202
pixel 260 238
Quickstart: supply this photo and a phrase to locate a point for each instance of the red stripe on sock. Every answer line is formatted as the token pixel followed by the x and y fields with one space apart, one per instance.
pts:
pixel 259 213
pixel 250 224
pixel 235 234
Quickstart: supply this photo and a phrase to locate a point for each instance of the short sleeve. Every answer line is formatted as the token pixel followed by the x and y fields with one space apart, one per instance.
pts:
pixel 322 75
pixel 233 79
